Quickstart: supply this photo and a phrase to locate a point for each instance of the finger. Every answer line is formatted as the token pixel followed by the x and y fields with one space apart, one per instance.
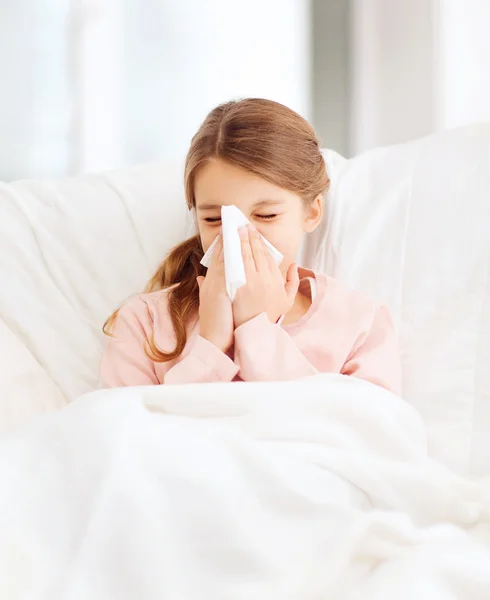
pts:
pixel 273 266
pixel 292 282
pixel 220 267
pixel 217 249
pixel 248 259
pixel 217 260
pixel 258 250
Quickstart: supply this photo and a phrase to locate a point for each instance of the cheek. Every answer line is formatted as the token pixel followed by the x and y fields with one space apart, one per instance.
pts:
pixel 285 237
pixel 208 236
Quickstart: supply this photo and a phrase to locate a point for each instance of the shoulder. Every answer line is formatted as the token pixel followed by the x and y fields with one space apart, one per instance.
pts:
pixel 355 306
pixel 142 311
pixel 357 317
pixel 338 291
pixel 145 302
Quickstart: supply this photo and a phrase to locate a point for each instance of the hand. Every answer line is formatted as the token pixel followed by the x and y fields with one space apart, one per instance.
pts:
pixel 215 310
pixel 265 290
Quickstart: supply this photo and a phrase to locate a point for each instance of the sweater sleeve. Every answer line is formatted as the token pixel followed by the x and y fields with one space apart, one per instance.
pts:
pixel 205 363
pixel 375 356
pixel 265 352
pixel 126 363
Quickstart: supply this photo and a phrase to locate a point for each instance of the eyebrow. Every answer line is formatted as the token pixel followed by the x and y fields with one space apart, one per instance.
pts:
pixel 260 203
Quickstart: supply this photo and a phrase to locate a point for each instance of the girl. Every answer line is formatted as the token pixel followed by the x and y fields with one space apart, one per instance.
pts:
pixel 265 159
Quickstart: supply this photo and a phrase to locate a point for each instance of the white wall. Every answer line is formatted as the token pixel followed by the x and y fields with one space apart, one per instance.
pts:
pixel 330 79
pixel 186 57
pixel 417 66
pixel 35 106
pixel 464 62
pixel 97 42
pixel 392 72
pixel 99 84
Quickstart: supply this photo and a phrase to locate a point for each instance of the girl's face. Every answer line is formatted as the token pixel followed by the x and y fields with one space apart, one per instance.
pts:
pixel 279 215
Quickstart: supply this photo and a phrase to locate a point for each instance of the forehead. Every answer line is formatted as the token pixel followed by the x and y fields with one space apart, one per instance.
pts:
pixel 219 183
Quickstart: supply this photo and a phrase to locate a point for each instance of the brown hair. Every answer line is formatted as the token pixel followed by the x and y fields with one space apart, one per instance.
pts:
pixel 262 137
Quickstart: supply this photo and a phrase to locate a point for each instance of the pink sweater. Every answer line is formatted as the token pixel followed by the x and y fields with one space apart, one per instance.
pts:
pixel 342 332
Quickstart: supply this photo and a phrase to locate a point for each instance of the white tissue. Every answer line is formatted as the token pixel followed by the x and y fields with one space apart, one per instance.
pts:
pixel 231 220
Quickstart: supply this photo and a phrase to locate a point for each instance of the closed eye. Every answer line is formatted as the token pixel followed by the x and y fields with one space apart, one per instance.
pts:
pixel 214 220
pixel 267 217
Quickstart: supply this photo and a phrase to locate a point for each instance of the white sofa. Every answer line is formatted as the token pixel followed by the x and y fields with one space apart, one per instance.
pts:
pixel 409 224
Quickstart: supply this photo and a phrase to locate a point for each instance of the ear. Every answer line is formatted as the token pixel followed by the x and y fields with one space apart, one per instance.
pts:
pixel 313 214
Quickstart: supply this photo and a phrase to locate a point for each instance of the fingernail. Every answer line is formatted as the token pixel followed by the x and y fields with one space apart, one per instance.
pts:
pixel 252 227
pixel 243 232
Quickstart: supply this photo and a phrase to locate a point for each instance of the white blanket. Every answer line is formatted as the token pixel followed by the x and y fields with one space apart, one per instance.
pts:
pixel 307 490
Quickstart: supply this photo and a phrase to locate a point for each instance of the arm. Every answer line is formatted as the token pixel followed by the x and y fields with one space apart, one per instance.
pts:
pixel 265 352
pixel 205 363
pixel 375 357
pixel 125 362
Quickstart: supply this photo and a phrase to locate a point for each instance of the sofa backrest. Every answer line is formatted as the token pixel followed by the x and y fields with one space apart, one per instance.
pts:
pixel 410 225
